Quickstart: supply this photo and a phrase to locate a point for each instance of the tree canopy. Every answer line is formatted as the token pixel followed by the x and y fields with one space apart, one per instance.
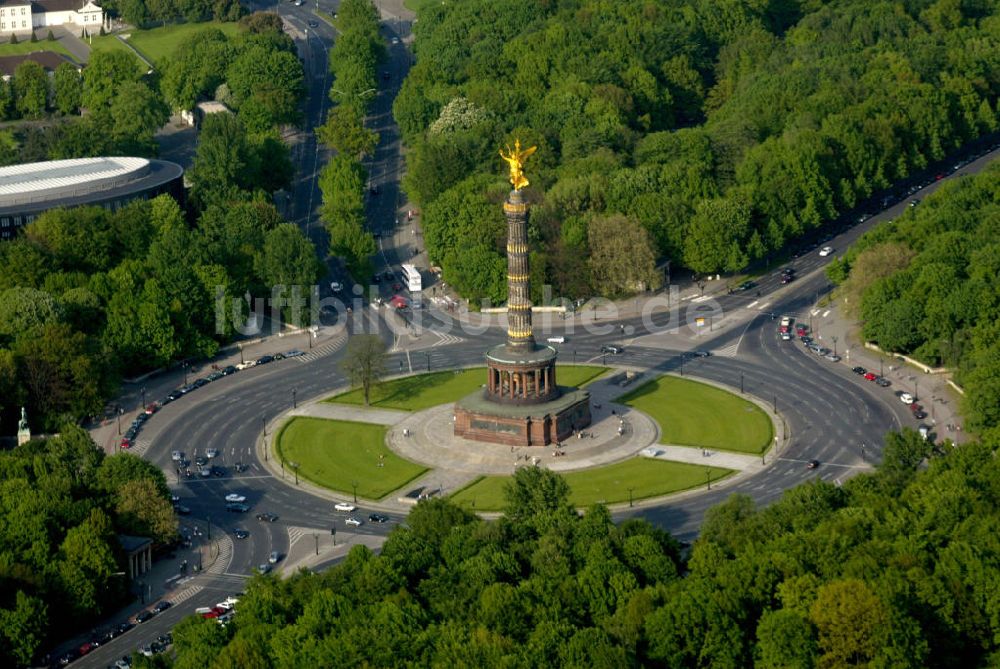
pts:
pixel 726 130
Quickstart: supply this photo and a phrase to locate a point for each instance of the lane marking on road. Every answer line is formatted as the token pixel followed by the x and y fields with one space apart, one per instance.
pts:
pixel 763 306
pixel 702 298
pixel 814 312
pixel 752 304
pixel 826 313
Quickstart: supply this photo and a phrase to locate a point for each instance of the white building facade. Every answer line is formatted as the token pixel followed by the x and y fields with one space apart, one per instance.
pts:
pixel 17 16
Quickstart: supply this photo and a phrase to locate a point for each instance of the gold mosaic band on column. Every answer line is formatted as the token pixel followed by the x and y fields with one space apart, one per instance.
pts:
pixel 515 207
pixel 517 248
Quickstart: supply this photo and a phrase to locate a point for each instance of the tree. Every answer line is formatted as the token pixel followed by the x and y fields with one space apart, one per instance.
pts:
pixel 851 621
pixel 622 257
pixel 137 113
pixel 785 639
pixel 67 87
pixel 23 310
pixel 31 89
pixel 222 162
pixel 537 497
pixel 104 75
pixel 23 627
pixel 288 264
pixel 274 79
pixel 364 362
pixel 141 511
pixel 718 235
pixel 345 132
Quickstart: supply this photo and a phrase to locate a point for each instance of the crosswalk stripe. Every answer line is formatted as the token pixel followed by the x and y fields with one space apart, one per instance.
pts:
pixel 183 595
pixel 324 350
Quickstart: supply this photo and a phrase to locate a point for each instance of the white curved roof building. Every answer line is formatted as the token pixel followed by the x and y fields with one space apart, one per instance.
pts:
pixel 29 189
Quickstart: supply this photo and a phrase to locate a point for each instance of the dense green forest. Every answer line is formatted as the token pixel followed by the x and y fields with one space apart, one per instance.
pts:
pixel 711 133
pixel 897 568
pixel 925 284
pixel 61 503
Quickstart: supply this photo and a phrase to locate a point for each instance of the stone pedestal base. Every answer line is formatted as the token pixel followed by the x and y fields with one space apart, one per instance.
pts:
pixel 477 418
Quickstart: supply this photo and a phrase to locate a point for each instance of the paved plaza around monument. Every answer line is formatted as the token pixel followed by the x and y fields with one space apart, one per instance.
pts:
pixel 618 432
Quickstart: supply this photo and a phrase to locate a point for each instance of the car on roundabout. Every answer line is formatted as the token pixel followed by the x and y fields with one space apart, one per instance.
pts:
pixel 378 518
pixel 237 507
pixel 354 521
pixel 812 464
pixel 267 517
pixel 235 497
pixel 241 534
pixel 344 506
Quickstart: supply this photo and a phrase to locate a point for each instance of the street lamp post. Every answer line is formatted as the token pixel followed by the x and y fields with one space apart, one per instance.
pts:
pixel 774 403
pixel 834 338
pixel 741 383
pixel 630 497
pixel 184 366
pixel 295 468
pixel 208 528
pixel 880 363
pixel 574 356
pixel 241 354
pixel 120 412
pixel 354 484
pixel 428 356
pixel 294 402
pixel 144 398
pixel 708 479
pixel 316 537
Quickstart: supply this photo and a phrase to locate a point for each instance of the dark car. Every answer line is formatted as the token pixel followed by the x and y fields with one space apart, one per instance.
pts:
pixel 269 517
pixel 201 461
pixel 264 359
pixel 812 464
pixel 237 507
pixel 805 339
pixel 124 627
pixel 747 285
pixel 884 382
pixel 68 657
pixel 226 371
pixel 614 350
pixel 174 395
pixel 920 415
pixel 786 278
pixel 378 518
pixel 215 376
pixel 143 616
pixel 860 371
pixel 218 471
pixel 198 383
pixel 182 510
pixel 162 606
pixel 241 534
pixel 240 467
pixel 788 271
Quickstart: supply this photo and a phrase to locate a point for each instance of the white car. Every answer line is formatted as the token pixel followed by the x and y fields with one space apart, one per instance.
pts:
pixel 344 506
pixel 336 286
pixel 233 497
pixel 356 522
pixel 786 321
pixel 825 251
pixel 556 340
pixel 211 453
pixel 906 398
pixel 395 40
pixel 246 365
pixel 177 456
pixel 206 472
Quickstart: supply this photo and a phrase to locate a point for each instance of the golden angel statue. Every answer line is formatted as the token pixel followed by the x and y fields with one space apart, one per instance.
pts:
pixel 515 159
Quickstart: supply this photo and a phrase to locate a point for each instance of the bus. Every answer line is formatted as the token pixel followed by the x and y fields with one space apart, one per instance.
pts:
pixel 412 276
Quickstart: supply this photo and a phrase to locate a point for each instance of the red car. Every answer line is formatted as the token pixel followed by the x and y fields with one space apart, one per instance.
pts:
pixel 126 443
pixel 915 407
pixel 86 648
pixel 871 376
pixel 783 329
pixel 802 331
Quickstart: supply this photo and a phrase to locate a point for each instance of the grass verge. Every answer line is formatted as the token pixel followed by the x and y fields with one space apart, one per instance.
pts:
pixel 609 485
pixel 157 44
pixel 25 47
pixel 696 414
pixel 337 454
pixel 422 391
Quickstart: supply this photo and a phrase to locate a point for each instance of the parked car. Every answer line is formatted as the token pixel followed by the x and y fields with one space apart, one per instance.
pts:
pixel 294 353
pixel 162 606
pixel 264 359
pixel 906 398
pixel 177 456
pixel 198 383
pixel 832 357
pixel 263 568
pixel 143 616
pixel 747 285
pixel 200 460
pixel 884 382
pixel 211 452
pixel 182 510
pixel 702 354
pixel 860 371
pixel 870 376
pixel 230 369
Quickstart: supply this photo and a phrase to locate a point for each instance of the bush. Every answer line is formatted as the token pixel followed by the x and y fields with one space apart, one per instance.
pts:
pixel 34 37
pixel 13 38
pixel 50 37
pixel 102 31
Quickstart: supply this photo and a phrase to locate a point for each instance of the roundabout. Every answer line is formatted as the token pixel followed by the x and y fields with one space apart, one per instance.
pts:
pixel 391 458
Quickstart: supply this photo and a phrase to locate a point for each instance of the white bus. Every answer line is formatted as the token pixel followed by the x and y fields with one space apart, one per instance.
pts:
pixel 412 276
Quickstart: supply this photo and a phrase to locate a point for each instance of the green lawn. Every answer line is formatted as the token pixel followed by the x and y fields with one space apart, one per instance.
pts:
pixel 609 485
pixel 417 5
pixel 695 414
pixel 24 47
pixel 334 453
pixel 414 393
pixel 159 43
